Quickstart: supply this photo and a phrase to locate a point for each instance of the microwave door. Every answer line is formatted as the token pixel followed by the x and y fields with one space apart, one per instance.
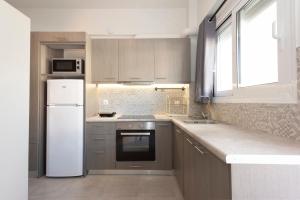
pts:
pixel 64 66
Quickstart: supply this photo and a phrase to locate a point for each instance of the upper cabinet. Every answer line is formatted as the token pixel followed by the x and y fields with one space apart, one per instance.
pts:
pixel 105 60
pixel 141 60
pixel 136 60
pixel 172 60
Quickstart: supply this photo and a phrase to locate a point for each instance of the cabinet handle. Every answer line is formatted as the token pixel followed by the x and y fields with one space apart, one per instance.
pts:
pixel 161 78
pixel 109 78
pixel 136 166
pixel 163 125
pixel 178 131
pixel 135 78
pixel 99 138
pixel 189 141
pixel 202 152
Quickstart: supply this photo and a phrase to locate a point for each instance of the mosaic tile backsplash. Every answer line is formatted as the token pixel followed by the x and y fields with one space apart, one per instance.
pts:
pixel 277 119
pixel 142 100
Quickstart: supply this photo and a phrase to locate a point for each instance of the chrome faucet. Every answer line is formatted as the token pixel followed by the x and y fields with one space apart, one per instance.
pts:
pixel 204 115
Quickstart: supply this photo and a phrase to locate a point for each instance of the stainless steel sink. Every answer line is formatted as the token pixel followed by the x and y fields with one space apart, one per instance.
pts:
pixel 199 121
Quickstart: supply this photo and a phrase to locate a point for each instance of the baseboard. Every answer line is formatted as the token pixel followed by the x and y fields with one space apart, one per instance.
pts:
pixel 132 172
pixel 33 174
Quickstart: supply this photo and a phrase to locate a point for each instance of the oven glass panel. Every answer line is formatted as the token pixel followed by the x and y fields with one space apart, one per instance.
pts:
pixel 135 144
pixel 64 65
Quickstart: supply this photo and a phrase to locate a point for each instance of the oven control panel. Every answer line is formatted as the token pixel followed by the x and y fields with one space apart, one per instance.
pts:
pixel 135 126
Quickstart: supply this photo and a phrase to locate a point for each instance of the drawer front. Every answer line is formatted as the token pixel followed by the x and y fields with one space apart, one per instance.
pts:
pixel 97 141
pixel 100 128
pixel 96 160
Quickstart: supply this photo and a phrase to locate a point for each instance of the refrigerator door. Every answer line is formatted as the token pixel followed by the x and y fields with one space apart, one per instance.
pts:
pixel 65 92
pixel 64 141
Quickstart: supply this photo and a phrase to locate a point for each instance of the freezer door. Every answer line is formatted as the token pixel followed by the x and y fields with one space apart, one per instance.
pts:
pixel 65 139
pixel 65 92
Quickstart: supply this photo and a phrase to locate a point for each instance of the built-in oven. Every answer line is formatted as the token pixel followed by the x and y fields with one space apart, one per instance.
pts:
pixel 135 141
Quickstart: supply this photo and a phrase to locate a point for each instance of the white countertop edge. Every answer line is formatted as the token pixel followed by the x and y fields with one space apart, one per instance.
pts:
pixel 264 159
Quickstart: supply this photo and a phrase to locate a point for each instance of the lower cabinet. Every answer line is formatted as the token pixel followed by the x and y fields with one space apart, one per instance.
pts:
pixel 178 157
pixel 100 146
pixel 200 175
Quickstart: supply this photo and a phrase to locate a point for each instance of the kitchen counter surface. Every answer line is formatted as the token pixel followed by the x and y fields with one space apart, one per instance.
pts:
pixel 233 145
pixel 238 146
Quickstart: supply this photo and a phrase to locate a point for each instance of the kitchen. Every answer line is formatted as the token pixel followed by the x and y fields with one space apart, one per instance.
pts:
pixel 151 99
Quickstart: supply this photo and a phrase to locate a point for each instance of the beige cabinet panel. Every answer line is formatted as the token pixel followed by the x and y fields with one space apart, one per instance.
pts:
pixel 136 60
pixel 178 157
pixel 105 60
pixel 100 145
pixel 172 60
pixel 163 137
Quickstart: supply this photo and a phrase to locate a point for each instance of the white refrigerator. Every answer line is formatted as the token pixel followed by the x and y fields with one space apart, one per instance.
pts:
pixel 65 130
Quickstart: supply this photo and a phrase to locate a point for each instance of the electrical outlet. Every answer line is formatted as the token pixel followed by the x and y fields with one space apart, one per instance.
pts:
pixel 105 102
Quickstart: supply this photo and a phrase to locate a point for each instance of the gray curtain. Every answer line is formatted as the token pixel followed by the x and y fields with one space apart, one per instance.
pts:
pixel 206 52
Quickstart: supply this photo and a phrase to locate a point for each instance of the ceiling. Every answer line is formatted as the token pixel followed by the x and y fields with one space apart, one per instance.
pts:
pixel 100 4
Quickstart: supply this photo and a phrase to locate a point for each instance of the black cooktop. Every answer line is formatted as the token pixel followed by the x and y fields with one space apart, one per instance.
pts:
pixel 136 117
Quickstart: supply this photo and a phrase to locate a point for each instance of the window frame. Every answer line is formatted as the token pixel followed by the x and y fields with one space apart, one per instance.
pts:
pixel 284 91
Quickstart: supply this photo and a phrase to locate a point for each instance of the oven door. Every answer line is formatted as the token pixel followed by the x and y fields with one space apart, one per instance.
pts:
pixel 135 145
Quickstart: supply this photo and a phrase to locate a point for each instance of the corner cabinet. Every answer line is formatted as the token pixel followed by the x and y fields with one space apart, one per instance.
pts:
pixel 200 175
pixel 140 60
pixel 105 60
pixel 136 60
pixel 172 60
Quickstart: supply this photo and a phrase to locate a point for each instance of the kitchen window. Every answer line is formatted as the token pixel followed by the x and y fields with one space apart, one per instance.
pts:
pixel 263 52
pixel 223 74
pixel 257 43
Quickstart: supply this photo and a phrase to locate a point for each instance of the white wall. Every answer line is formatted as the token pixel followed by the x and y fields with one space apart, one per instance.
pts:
pixel 116 21
pixel 14 103
pixel 298 22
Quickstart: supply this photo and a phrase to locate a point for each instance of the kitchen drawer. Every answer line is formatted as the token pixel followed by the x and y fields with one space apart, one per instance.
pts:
pixel 100 159
pixel 97 141
pixel 100 128
pixel 142 165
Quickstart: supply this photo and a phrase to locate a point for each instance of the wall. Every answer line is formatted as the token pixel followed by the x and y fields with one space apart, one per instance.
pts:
pixel 115 21
pixel 14 106
pixel 298 22
pixel 141 100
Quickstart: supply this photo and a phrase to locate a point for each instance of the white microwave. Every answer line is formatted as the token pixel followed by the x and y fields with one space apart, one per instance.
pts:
pixel 67 66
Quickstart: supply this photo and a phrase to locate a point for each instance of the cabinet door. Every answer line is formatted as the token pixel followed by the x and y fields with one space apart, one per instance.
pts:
pixel 201 171
pixel 136 60
pixel 172 60
pixel 188 162
pixel 163 137
pixel 220 179
pixel 104 60
pixel 178 157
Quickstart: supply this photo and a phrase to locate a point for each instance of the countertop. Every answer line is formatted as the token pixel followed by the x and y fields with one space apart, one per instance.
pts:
pixel 234 145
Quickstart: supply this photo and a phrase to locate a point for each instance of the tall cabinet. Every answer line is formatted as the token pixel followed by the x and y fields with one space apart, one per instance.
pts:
pixel 44 46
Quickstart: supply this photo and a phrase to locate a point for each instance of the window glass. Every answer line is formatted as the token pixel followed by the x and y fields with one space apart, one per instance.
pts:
pixel 224 60
pixel 257 44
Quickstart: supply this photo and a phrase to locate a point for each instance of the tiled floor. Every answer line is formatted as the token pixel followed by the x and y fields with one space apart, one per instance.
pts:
pixel 105 187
